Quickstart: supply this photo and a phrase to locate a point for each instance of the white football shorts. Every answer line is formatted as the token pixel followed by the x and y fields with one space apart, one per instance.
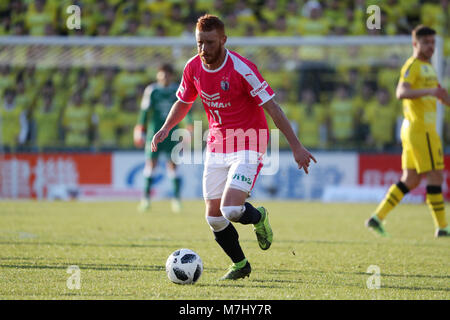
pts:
pixel 237 170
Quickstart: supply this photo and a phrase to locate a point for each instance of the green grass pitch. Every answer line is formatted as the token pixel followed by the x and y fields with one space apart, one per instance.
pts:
pixel 320 251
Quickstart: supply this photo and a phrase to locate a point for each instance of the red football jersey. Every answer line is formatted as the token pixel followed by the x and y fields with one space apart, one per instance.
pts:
pixel 232 96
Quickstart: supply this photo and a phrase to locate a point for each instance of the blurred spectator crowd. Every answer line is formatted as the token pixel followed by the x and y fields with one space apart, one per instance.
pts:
pixel 242 17
pixel 97 107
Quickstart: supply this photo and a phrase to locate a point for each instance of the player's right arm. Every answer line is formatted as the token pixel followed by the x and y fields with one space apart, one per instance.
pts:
pixel 177 113
pixel 409 75
pixel 443 96
pixel 404 91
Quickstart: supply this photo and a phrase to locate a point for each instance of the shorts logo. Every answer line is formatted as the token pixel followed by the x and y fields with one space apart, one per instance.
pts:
pixel 241 177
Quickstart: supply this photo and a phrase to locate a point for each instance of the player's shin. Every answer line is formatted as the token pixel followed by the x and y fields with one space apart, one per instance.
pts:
pixel 148 181
pixel 176 186
pixel 435 202
pixel 393 197
pixel 227 237
pixel 176 182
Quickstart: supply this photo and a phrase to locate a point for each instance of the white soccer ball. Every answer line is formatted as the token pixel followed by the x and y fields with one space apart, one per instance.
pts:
pixel 184 266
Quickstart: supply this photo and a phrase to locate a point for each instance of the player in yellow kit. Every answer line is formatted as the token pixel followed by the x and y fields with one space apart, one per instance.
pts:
pixel 422 148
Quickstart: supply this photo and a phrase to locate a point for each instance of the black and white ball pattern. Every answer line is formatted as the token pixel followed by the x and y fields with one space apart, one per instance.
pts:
pixel 184 266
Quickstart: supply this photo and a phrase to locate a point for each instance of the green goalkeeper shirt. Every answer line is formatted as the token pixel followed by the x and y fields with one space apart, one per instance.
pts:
pixel 155 106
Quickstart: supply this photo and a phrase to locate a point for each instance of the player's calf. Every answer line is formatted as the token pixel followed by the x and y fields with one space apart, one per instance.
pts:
pixel 228 239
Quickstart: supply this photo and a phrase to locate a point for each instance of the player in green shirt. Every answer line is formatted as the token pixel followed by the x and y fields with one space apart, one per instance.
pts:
pixel 156 103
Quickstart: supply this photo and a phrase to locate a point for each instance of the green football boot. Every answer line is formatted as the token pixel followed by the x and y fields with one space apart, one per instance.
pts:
pixel 263 230
pixel 443 232
pixel 235 272
pixel 373 223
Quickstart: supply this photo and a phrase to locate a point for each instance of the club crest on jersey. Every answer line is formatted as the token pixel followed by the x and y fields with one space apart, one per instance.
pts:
pixel 225 85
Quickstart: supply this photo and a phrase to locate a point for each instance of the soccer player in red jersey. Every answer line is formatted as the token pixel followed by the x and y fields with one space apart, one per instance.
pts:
pixel 234 96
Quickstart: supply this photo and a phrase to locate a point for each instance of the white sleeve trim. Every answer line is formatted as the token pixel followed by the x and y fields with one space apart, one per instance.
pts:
pixel 249 75
pixel 270 98
pixel 185 101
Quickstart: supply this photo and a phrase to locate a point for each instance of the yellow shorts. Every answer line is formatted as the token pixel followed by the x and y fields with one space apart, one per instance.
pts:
pixel 422 150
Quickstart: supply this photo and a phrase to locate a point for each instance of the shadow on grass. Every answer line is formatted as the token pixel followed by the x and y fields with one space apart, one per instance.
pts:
pixel 359 242
pixel 299 272
pixel 280 284
pixel 362 286
pixel 401 275
pixel 414 288
pixel 22 258
pixel 87 266
pixel 96 296
pixel 395 287
pixel 77 244
pixel 333 242
pixel 279 280
pixel 235 284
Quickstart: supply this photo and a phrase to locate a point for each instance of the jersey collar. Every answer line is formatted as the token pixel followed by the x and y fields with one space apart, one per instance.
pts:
pixel 219 68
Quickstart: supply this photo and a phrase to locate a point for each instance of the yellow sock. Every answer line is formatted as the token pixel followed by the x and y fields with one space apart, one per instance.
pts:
pixel 392 198
pixel 435 202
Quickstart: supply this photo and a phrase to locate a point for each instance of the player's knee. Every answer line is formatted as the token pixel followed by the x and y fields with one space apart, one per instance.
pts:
pixel 232 213
pixel 412 182
pixel 217 223
pixel 411 179
pixel 435 178
pixel 147 171
pixel 172 172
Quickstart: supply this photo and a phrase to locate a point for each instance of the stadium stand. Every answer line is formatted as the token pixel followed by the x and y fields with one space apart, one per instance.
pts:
pixel 330 107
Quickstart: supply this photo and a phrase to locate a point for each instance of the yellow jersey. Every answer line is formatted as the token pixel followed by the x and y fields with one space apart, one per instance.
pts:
pixel 77 120
pixel 107 124
pixel 47 123
pixel 420 112
pixel 381 120
pixel 10 125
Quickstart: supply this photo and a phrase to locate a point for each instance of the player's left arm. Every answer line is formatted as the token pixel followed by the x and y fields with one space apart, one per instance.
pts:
pixel 301 155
